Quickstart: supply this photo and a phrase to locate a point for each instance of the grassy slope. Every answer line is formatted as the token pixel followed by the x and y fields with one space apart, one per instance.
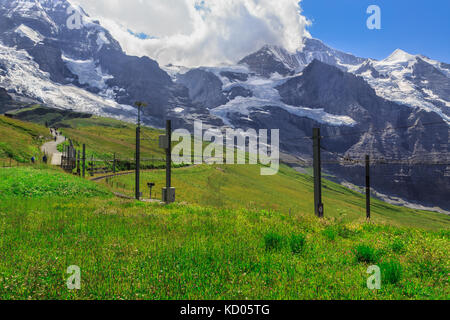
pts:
pixel 242 186
pixel 21 140
pixel 104 137
pixel 29 183
pixel 132 250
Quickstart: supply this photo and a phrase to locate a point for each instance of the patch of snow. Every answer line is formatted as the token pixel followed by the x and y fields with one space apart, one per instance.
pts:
pixel 435 97
pixel 394 200
pixel 102 40
pixel 88 72
pixel 178 110
pixel 173 71
pixel 265 95
pixel 245 106
pixel 29 33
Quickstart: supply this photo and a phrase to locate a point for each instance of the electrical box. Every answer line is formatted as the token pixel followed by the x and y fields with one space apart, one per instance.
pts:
pixel 163 142
pixel 320 210
pixel 168 195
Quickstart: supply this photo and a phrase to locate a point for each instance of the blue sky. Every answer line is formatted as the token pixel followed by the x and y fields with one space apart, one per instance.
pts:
pixel 416 26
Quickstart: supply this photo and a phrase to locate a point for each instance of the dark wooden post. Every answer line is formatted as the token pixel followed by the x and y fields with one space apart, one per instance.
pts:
pixel 114 163
pixel 92 165
pixel 84 160
pixel 318 205
pixel 368 187
pixel 78 163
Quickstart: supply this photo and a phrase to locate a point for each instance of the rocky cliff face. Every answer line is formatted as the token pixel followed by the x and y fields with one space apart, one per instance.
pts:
pixel 204 87
pixel 7 103
pixel 4 96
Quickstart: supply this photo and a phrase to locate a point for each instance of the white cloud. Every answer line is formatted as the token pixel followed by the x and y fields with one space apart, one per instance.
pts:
pixel 221 31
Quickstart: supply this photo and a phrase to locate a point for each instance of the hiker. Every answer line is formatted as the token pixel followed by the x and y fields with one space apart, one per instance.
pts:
pixel 44 159
pixel 33 159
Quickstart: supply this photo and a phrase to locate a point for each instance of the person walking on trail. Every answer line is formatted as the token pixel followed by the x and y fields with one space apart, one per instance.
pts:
pixel 33 159
pixel 45 159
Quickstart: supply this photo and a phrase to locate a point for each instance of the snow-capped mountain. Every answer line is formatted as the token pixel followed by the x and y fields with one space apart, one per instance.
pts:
pixel 413 80
pixel 362 105
pixel 23 76
pixel 274 59
pixel 84 60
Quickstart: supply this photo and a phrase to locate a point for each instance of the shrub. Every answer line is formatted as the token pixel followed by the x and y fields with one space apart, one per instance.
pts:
pixel 398 246
pixel 444 234
pixel 273 241
pixel 297 243
pixel 391 272
pixel 330 233
pixel 366 254
pixel 345 232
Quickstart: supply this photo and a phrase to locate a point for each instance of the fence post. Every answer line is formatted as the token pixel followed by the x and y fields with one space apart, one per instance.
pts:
pixel 114 163
pixel 318 205
pixel 84 160
pixel 92 165
pixel 368 187
pixel 78 163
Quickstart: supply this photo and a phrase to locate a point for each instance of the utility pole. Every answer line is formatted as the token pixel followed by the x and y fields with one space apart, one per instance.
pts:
pixel 138 150
pixel 169 155
pixel 138 163
pixel 368 187
pixel 318 205
pixel 165 142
